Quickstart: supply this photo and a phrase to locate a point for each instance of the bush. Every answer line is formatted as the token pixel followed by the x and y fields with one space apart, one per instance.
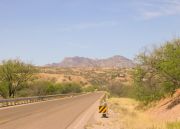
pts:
pixel 120 90
pixel 25 92
pixel 147 86
pixel 4 89
pixel 147 94
pixel 91 88
pixel 70 88
pixel 41 87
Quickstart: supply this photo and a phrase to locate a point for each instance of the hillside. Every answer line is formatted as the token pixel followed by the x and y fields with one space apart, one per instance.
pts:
pixel 86 76
pixel 78 62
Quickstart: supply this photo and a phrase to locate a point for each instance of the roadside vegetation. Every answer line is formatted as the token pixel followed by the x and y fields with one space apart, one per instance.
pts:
pixel 123 114
pixel 156 76
pixel 41 87
pixel 17 79
pixel 14 74
pixel 158 72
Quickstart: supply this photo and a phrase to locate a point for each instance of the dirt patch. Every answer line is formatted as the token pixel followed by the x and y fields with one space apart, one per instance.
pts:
pixel 167 109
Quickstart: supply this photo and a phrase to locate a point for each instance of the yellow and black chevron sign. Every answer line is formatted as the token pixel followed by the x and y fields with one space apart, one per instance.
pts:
pixel 102 109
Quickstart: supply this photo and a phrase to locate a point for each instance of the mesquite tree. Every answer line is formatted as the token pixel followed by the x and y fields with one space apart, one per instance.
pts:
pixel 158 72
pixel 15 74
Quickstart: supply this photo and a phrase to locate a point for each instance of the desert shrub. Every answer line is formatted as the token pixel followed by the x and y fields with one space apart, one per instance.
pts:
pixel 52 89
pixel 3 89
pixel 91 88
pixel 147 88
pixel 120 90
pixel 41 87
pixel 25 92
pixel 70 88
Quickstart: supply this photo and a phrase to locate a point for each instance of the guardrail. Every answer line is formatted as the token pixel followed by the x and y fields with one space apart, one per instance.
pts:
pixel 26 100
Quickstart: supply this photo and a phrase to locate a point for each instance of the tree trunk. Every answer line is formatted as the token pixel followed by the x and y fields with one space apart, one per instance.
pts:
pixel 13 94
pixel 10 90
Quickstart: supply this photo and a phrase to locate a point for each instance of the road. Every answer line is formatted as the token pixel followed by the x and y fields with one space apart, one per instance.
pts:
pixel 55 114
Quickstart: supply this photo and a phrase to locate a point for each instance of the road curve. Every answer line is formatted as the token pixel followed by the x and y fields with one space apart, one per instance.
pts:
pixel 56 114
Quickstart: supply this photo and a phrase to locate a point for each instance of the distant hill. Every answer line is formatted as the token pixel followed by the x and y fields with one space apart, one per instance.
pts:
pixel 78 62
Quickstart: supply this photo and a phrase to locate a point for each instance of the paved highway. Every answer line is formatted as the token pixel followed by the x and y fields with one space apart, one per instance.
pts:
pixel 55 114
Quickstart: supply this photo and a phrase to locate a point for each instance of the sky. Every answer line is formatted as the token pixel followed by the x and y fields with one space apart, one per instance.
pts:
pixel 46 31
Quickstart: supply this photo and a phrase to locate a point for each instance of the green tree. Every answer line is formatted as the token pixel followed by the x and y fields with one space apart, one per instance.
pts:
pixel 158 72
pixel 15 73
pixel 3 89
pixel 167 62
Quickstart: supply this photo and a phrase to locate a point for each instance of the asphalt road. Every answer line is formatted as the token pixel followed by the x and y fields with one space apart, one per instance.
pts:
pixel 56 114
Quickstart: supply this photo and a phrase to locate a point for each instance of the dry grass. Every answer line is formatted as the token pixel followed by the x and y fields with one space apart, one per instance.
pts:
pixel 60 78
pixel 131 118
pixel 173 125
pixel 123 114
pixel 86 76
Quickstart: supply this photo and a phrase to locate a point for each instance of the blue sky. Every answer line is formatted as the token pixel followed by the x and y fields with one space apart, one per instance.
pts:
pixel 46 31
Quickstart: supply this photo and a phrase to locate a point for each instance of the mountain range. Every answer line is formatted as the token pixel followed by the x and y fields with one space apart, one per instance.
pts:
pixel 78 62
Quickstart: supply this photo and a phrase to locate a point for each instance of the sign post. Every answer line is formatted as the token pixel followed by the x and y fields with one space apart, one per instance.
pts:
pixel 103 108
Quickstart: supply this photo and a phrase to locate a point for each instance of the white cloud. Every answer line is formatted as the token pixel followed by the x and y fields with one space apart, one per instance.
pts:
pixel 149 14
pixel 158 8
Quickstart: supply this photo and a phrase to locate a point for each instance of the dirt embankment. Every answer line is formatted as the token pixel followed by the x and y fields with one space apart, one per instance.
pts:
pixel 167 109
